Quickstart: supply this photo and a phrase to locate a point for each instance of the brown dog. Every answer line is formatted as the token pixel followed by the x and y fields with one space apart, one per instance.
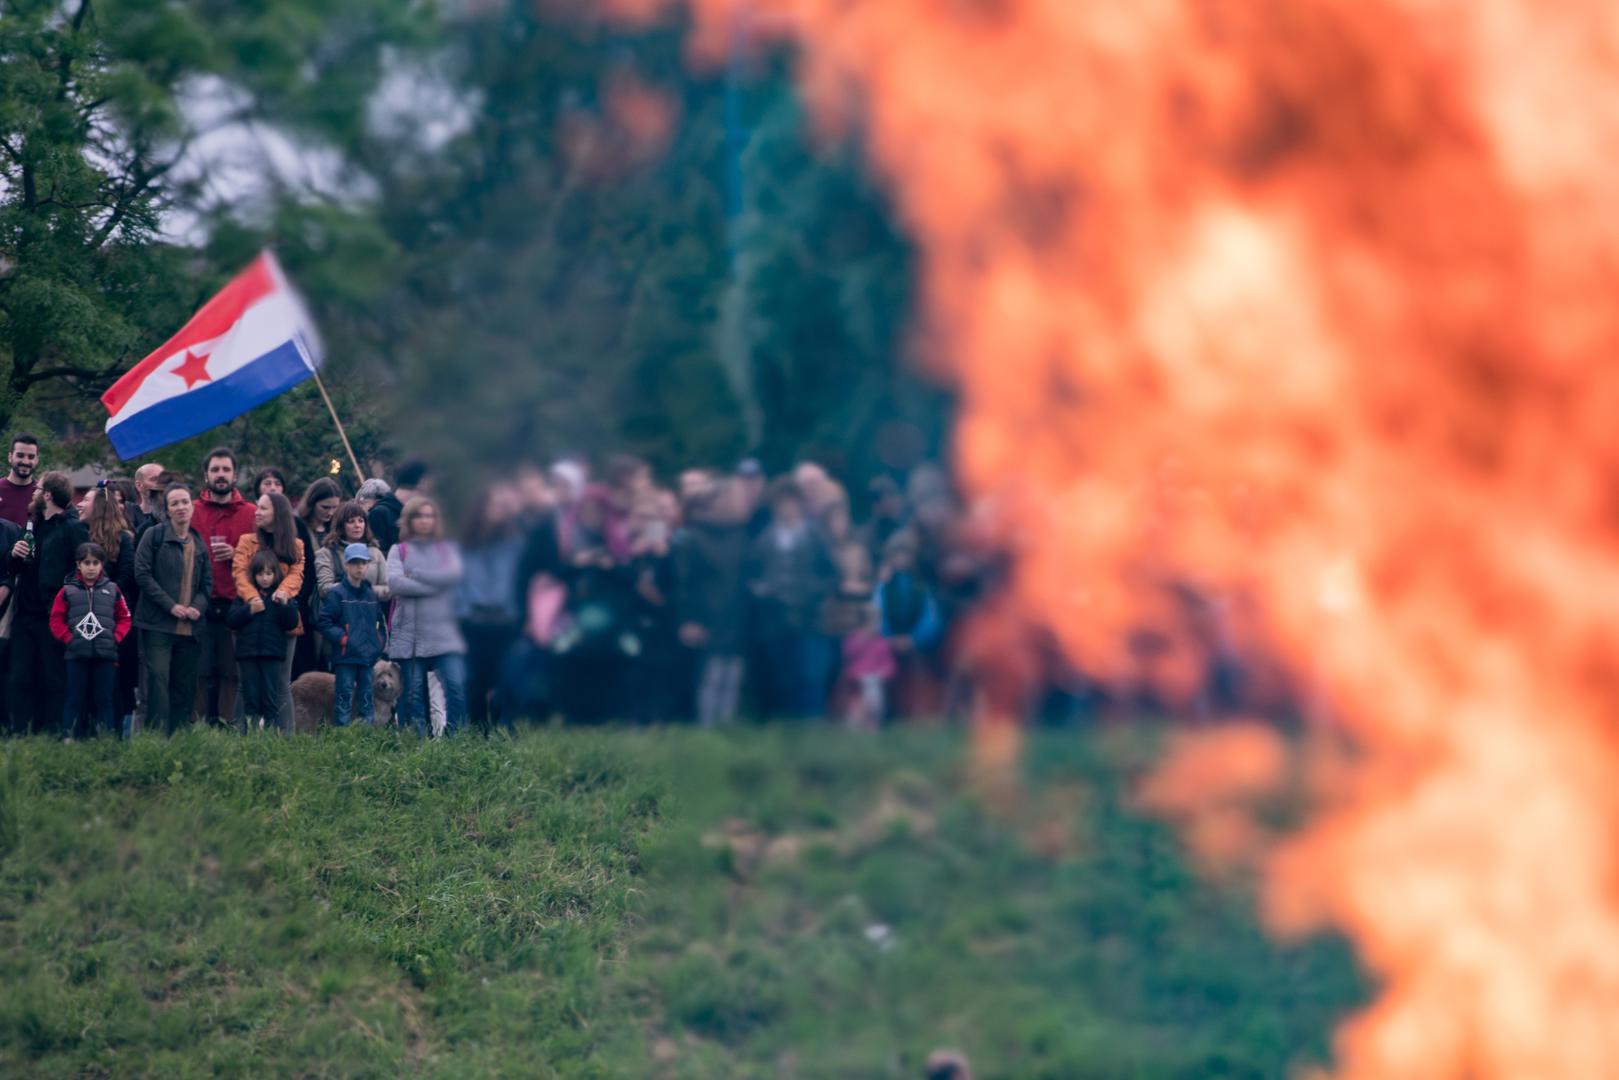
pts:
pixel 314 696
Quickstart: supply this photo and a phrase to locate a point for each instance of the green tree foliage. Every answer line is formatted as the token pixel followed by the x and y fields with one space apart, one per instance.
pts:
pixel 565 273
pixel 523 232
pixel 560 303
pixel 106 110
pixel 819 302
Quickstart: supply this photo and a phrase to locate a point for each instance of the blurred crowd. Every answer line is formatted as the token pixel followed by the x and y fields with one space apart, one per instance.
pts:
pixel 593 593
pixel 729 594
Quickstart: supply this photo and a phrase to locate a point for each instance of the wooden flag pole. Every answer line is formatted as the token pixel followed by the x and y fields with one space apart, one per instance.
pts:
pixel 324 396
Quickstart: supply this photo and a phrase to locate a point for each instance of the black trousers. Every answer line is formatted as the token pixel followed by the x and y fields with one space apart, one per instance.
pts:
pixel 129 672
pixel 216 673
pixel 307 654
pixel 261 700
pixel 487 646
pixel 38 676
pixel 5 695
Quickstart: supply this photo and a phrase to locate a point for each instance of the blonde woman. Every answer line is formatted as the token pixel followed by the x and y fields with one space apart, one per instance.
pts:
pixel 424 570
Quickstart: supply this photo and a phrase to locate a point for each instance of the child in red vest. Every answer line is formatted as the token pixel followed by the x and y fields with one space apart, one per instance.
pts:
pixel 90 618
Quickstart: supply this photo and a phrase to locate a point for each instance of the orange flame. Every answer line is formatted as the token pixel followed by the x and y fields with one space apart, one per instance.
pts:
pixel 1310 301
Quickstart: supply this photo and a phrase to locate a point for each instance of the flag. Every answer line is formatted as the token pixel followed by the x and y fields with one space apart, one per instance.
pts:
pixel 251 342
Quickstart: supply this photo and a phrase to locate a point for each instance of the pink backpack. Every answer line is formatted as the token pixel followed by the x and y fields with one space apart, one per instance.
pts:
pixel 547 601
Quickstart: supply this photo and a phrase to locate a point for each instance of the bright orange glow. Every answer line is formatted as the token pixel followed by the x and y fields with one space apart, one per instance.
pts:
pixel 1313 302
pixel 1209 784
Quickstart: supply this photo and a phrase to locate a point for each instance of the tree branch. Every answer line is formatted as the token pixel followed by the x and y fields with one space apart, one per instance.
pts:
pixel 66 372
pixel 140 183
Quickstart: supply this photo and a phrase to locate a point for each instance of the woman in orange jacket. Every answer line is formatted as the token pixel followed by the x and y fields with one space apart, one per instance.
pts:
pixel 273 530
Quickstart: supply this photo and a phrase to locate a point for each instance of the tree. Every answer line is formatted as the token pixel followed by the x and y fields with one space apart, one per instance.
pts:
pixel 106 110
pixel 822 295
pixel 513 224
pixel 559 305
pixel 564 262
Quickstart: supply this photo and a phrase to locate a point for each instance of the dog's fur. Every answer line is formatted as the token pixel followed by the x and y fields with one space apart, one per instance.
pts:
pixel 947 1065
pixel 314 696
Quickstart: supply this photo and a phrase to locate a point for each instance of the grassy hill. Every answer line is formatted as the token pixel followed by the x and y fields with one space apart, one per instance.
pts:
pixel 759 903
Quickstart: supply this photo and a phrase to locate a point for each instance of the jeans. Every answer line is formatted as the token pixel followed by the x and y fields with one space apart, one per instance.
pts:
pixel 98 680
pixel 353 694
pixel 720 689
pixel 799 674
pixel 169 662
pixel 452 672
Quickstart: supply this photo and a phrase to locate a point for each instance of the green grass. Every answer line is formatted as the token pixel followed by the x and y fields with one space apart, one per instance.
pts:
pixel 759 903
pixel 343 906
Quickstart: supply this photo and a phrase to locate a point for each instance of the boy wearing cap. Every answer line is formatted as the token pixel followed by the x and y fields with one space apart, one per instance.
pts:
pixel 352 622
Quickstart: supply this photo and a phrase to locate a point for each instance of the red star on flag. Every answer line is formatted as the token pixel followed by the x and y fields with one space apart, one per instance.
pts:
pixel 194 369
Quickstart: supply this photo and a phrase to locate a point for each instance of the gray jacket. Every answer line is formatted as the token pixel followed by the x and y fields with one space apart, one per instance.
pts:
pixel 423 580
pixel 159 570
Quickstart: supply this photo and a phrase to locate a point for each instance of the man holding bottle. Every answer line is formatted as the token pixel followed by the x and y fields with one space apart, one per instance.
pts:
pixel 41 561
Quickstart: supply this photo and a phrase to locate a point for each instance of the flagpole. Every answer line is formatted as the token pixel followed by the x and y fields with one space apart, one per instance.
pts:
pixel 324 396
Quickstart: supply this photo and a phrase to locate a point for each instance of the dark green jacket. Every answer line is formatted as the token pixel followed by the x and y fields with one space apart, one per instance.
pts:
pixel 159 570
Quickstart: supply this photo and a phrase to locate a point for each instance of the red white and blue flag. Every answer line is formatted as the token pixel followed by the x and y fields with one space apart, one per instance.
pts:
pixel 252 341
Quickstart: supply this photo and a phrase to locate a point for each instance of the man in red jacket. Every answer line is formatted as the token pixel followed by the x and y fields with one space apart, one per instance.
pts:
pixel 221 517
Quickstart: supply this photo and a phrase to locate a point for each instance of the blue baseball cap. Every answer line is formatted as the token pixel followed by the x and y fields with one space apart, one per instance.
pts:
pixel 356 553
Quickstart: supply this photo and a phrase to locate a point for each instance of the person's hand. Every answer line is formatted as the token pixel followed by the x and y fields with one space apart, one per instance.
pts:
pixel 693 636
pixel 647 586
pixel 193 614
pixel 256 605
pixel 279 597
pixel 19 550
pixel 180 611
pixel 222 551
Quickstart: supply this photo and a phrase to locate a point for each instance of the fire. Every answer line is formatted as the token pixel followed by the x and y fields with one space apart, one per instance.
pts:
pixel 1308 302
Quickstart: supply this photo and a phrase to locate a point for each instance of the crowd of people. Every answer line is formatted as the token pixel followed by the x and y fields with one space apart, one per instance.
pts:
pixel 165 599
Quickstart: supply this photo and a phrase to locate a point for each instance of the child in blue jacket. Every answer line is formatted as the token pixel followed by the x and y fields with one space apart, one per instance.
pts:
pixel 352 622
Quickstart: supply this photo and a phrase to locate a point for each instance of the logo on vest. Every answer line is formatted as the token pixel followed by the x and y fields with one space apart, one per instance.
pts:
pixel 89 627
